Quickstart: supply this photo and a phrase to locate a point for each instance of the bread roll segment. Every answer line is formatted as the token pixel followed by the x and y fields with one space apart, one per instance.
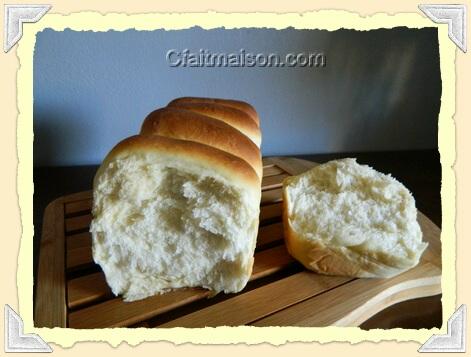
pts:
pixel 183 124
pixel 171 213
pixel 237 104
pixel 231 116
pixel 342 218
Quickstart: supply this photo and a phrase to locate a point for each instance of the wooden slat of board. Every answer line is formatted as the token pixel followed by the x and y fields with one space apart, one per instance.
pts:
pixel 50 308
pixel 77 223
pixel 79 240
pixel 93 287
pixel 79 196
pixel 351 301
pixel 86 289
pixel 143 324
pixel 360 315
pixel 269 234
pixel 267 161
pixel 270 261
pixel 271 211
pixel 258 303
pixel 78 206
pixel 116 312
pixel 271 196
pixel 271 170
pixel 293 166
pixel 273 181
pixel 79 256
pixel 431 234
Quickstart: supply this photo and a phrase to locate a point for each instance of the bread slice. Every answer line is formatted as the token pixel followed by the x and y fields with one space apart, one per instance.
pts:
pixel 342 218
pixel 187 125
pixel 237 104
pixel 229 115
pixel 170 213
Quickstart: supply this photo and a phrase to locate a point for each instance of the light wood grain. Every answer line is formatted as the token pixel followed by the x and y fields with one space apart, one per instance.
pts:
pixel 79 257
pixel 78 196
pixel 271 196
pixel 272 170
pixel 77 223
pixel 354 302
pixel 87 289
pixel 269 234
pixel 292 165
pixel 260 302
pixel 271 182
pixel 115 312
pixel 270 211
pixel 50 307
pixel 78 206
pixel 267 162
pixel 376 305
pixel 79 240
pixel 431 234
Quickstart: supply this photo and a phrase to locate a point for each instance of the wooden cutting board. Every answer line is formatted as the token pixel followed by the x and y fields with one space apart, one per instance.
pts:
pixel 72 291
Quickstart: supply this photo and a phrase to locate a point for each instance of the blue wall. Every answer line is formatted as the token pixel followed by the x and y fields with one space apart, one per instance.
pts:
pixel 380 89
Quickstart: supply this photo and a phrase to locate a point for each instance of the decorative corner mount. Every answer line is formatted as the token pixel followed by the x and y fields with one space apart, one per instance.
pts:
pixel 454 16
pixel 15 16
pixel 455 338
pixel 16 340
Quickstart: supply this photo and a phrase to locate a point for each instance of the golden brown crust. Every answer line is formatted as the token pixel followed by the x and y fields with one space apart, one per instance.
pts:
pixel 185 152
pixel 237 104
pixel 187 125
pixel 231 116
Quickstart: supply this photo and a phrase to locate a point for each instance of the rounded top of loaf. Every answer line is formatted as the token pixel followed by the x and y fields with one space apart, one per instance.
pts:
pixel 237 104
pixel 231 116
pixel 188 156
pixel 183 124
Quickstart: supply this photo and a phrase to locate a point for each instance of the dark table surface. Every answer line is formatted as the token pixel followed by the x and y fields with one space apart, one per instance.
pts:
pixel 419 171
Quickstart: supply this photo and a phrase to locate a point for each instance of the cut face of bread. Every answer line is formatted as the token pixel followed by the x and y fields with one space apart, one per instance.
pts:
pixel 342 218
pixel 164 219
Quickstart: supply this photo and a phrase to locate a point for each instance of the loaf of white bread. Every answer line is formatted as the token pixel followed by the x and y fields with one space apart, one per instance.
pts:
pixel 342 218
pixel 178 205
